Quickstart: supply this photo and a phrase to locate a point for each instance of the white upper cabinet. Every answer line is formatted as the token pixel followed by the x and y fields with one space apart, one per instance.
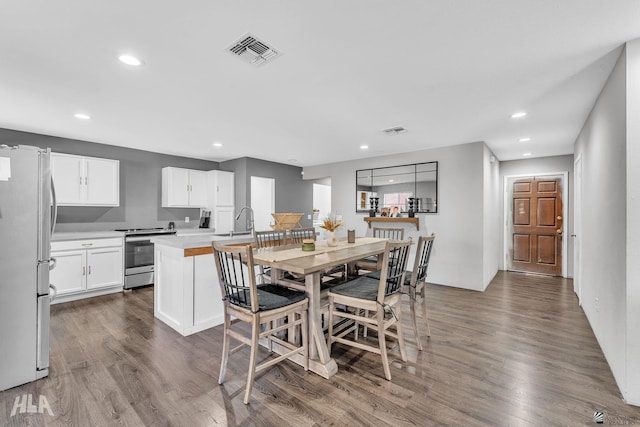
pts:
pixel 85 181
pixel 221 189
pixel 183 188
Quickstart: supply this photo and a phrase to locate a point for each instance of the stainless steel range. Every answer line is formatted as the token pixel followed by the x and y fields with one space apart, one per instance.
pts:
pixel 138 259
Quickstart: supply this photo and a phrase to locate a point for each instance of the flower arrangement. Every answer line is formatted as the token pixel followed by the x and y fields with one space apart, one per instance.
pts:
pixel 331 224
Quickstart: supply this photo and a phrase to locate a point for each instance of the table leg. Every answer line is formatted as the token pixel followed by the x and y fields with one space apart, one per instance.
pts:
pixel 317 342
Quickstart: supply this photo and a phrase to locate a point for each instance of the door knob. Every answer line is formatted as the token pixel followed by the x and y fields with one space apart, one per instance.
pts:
pixel 559 231
pixel 559 217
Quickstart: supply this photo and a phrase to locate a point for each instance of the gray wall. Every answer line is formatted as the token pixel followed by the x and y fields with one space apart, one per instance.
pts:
pixel 140 185
pixel 608 239
pixel 458 254
pixel 293 194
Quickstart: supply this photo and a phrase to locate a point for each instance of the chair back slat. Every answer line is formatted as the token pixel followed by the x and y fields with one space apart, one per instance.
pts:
pixel 394 264
pixel 270 238
pixel 423 255
pixel 297 235
pixel 389 233
pixel 237 284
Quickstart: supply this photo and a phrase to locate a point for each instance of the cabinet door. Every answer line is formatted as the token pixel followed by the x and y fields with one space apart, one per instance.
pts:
pixel 223 220
pixel 68 179
pixel 175 187
pixel 103 182
pixel 104 267
pixel 70 272
pixel 197 188
pixel 225 189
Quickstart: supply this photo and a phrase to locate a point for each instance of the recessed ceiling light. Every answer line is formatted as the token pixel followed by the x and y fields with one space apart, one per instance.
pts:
pixel 390 180
pixel 82 116
pixel 518 115
pixel 364 147
pixel 130 60
pixel 525 139
pixel 526 154
pixel 217 144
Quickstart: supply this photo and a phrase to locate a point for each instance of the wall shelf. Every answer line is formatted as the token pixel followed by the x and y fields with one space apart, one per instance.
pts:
pixel 370 219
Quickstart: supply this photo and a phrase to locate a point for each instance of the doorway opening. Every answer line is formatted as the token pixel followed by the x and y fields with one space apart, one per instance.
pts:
pixel 535 213
pixel 263 201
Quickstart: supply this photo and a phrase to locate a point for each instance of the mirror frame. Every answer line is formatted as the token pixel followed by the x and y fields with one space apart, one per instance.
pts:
pixel 384 171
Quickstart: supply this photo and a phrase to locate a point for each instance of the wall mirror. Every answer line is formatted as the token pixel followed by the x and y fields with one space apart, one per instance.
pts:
pixel 395 185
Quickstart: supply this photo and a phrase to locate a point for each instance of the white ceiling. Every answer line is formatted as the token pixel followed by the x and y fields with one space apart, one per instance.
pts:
pixel 450 72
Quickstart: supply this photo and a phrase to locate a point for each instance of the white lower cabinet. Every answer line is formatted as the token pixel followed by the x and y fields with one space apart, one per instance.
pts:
pixel 87 268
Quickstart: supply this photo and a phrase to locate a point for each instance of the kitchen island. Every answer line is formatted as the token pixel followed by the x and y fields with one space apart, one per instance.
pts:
pixel 186 292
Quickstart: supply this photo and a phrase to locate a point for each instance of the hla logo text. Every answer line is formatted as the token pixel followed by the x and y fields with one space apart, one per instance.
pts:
pixel 24 404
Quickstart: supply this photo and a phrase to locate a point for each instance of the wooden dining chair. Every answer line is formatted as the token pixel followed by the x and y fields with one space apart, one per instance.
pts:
pixel 371 263
pixel 297 235
pixel 269 239
pixel 375 302
pixel 415 282
pixel 261 307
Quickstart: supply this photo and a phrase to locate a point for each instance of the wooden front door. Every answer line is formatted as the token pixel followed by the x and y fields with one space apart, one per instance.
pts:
pixel 537 226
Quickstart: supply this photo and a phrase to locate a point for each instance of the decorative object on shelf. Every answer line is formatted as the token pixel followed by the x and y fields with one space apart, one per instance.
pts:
pixel 308 245
pixel 331 225
pixel 285 221
pixel 375 201
pixel 412 213
pixel 372 210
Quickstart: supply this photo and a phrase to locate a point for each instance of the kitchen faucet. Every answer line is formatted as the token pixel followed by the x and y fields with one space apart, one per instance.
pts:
pixel 249 218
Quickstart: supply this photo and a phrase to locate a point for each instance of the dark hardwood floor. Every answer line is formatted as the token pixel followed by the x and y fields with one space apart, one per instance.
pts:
pixel 521 353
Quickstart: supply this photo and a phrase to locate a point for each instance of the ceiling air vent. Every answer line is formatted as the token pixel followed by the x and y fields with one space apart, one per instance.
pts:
pixel 252 50
pixel 394 131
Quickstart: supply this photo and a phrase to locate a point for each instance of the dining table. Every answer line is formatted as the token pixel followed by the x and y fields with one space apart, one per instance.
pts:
pixel 310 265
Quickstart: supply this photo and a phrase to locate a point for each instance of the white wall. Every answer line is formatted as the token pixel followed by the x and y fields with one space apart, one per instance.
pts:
pixel 539 166
pixel 491 217
pixel 605 295
pixel 632 394
pixel 458 254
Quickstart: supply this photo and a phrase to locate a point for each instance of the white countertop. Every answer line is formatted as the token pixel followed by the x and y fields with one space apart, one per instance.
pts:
pixel 79 235
pixel 198 241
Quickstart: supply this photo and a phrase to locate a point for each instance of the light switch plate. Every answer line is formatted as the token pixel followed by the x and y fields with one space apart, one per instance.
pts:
pixel 186 219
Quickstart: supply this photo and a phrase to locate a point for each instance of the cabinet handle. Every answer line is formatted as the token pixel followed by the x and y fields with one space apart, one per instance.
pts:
pixel 87 244
pixel 89 269
pixel 80 180
pixel 86 181
pixel 84 271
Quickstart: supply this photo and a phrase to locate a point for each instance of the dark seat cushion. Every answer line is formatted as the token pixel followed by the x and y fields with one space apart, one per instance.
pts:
pixel 273 296
pixel 362 287
pixel 287 275
pixel 376 275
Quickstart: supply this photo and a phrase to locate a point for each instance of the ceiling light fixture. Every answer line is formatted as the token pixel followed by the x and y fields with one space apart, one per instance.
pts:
pixel 525 139
pixel 82 116
pixel 130 60
pixel 518 115
pixel 364 147
pixel 526 154
pixel 217 144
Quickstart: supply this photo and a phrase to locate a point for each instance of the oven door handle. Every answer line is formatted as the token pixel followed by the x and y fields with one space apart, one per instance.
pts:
pixel 137 239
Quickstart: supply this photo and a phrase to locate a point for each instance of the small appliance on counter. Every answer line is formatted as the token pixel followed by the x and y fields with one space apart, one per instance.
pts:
pixel 205 217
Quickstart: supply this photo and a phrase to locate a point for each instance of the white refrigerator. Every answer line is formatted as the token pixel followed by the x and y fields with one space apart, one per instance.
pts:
pixel 26 224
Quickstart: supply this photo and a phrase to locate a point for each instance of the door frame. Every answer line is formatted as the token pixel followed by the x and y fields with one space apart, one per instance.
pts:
pixel 565 211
